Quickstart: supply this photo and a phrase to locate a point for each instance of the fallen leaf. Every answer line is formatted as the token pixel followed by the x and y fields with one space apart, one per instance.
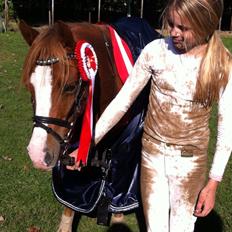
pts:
pixel 7 158
pixel 26 168
pixel 2 219
pixel 33 229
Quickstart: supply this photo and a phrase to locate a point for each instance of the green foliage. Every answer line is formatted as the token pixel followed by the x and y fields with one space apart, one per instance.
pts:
pixel 1 5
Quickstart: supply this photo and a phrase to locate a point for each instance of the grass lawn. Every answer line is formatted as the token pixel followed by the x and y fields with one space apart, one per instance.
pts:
pixel 27 202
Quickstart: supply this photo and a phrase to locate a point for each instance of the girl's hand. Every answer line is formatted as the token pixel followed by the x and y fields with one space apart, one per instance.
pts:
pixel 206 199
pixel 76 166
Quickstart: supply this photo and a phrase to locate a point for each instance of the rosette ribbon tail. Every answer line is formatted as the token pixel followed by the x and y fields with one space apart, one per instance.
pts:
pixel 88 66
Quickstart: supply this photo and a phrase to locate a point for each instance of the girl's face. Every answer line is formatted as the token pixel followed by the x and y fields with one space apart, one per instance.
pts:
pixel 181 33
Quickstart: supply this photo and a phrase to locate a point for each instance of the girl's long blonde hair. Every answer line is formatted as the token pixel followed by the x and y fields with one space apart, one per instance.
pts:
pixel 204 17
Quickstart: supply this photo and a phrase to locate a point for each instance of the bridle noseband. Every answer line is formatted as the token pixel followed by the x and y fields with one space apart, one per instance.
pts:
pixel 40 121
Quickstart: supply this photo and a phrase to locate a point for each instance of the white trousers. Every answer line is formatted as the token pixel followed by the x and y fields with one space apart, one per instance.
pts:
pixel 170 184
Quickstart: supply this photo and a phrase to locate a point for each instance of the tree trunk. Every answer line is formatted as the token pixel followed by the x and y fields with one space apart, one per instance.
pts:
pixel 220 24
pixel 6 15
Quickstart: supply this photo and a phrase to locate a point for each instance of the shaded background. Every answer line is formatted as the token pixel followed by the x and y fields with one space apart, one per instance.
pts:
pixel 36 12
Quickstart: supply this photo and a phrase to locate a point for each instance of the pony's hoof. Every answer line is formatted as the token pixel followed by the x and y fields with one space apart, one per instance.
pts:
pixel 66 223
pixel 63 229
pixel 117 218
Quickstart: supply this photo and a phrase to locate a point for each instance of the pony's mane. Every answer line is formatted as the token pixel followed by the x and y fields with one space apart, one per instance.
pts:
pixel 48 44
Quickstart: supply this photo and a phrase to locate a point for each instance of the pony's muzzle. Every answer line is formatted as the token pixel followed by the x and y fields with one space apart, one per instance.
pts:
pixel 50 159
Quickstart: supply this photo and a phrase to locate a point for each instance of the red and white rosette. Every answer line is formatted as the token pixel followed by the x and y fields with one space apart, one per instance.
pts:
pixel 88 66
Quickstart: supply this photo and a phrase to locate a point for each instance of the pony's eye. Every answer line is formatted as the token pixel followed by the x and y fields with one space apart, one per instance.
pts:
pixel 69 88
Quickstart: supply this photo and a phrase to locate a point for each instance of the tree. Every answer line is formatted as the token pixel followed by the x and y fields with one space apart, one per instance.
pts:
pixel 6 13
pixel 6 9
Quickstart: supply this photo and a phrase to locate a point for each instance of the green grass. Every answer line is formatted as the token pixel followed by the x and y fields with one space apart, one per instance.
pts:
pixel 26 198
pixel 227 42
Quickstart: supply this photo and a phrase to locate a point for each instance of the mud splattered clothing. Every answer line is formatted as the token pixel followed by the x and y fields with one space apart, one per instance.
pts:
pixel 176 134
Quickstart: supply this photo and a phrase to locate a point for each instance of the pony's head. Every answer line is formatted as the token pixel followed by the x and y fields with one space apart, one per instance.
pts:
pixel 50 74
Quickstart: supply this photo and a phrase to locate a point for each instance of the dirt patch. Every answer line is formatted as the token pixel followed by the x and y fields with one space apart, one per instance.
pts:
pixel 225 34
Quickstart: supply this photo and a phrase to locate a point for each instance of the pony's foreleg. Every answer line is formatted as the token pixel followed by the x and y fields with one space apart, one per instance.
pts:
pixel 66 220
pixel 117 218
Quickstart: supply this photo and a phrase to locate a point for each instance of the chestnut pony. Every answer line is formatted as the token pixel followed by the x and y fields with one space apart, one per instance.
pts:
pixel 58 95
pixel 54 86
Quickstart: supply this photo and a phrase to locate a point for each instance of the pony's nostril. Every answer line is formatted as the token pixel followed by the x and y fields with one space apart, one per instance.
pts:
pixel 48 158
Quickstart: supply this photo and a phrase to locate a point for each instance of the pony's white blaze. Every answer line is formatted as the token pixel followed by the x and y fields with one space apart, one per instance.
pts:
pixel 41 79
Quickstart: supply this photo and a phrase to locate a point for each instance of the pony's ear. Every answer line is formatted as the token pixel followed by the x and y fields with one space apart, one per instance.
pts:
pixel 65 33
pixel 28 33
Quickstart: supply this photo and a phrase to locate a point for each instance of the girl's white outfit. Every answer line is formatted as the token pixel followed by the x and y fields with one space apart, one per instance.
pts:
pixel 176 134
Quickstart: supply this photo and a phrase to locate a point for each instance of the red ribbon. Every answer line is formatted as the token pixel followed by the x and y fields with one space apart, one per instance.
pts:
pixel 122 55
pixel 88 66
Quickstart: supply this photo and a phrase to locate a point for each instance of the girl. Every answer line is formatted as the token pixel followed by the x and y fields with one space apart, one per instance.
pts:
pixel 189 71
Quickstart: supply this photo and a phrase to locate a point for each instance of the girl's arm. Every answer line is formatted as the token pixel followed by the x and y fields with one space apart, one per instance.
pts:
pixel 135 83
pixel 224 134
pixel 206 199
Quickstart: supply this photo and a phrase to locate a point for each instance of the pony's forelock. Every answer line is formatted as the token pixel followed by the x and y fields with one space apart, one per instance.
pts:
pixel 48 44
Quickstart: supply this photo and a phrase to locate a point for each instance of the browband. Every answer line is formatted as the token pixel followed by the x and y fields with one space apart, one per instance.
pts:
pixel 53 60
